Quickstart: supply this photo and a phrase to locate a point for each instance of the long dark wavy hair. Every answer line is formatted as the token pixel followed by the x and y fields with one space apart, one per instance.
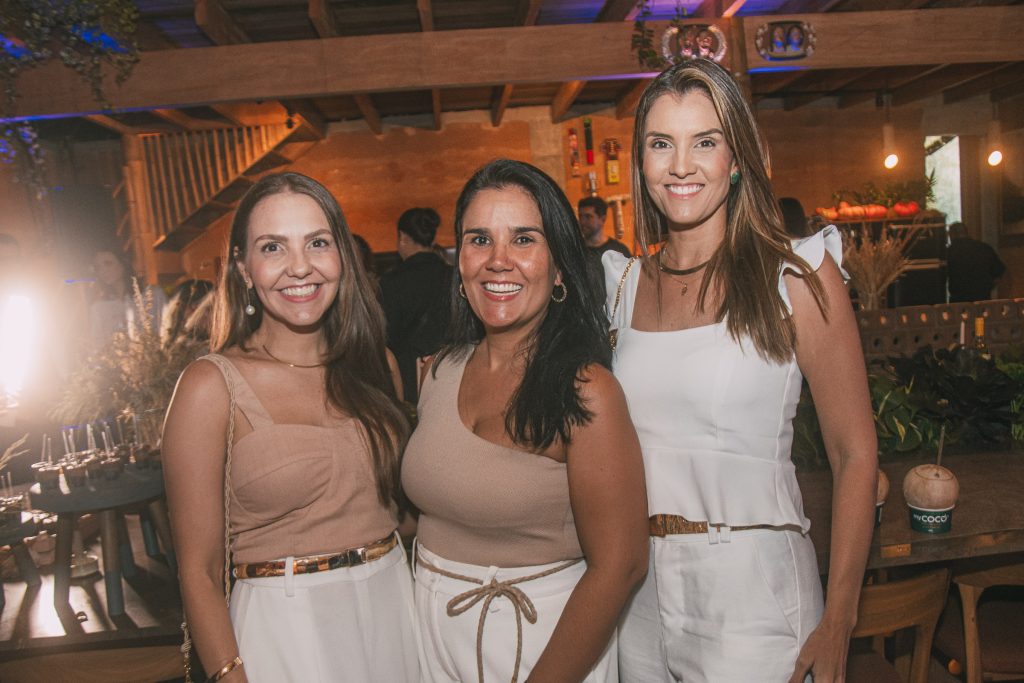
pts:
pixel 747 264
pixel 572 335
pixel 357 379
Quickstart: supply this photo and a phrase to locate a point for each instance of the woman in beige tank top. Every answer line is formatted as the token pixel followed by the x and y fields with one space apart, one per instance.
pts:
pixel 525 465
pixel 281 453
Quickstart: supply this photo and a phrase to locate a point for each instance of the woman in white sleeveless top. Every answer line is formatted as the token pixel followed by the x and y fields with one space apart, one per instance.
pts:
pixel 714 336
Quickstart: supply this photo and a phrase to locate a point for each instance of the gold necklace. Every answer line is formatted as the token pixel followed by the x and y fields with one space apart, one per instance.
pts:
pixel 291 365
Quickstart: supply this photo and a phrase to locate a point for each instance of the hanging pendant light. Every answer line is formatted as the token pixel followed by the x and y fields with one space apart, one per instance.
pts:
pixel 889 155
pixel 994 140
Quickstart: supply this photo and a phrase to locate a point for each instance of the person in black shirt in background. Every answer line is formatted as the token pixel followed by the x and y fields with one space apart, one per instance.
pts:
pixel 973 266
pixel 414 295
pixel 592 212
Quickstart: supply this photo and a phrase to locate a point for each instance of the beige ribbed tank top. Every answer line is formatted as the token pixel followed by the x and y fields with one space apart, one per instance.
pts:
pixel 298 489
pixel 480 502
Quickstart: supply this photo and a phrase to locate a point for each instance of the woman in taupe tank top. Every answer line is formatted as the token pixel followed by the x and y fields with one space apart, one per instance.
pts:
pixel 281 452
pixel 525 465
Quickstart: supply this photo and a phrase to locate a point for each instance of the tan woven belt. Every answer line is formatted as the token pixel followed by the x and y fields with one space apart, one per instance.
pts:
pixel 319 563
pixel 670 525
pixel 487 592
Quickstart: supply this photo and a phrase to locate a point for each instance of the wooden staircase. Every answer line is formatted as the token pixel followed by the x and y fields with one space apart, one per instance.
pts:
pixel 194 178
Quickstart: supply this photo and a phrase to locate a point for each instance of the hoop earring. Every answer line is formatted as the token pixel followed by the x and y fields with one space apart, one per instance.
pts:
pixel 462 291
pixel 565 293
pixel 250 309
pixel 734 177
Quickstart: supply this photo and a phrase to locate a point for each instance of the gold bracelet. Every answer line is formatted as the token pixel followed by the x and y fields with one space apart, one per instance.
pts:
pixel 225 670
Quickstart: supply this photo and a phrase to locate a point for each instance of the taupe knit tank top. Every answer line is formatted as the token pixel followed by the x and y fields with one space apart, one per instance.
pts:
pixel 480 502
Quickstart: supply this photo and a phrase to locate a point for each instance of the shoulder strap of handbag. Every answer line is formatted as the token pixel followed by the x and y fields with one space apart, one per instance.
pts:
pixel 613 333
pixel 186 646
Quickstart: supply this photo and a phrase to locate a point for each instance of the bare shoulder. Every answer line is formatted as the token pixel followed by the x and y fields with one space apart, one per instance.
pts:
pixel 201 379
pixel 599 389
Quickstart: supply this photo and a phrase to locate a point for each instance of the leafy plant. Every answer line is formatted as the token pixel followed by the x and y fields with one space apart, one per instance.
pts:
pixel 1015 370
pixel 921 191
pixel 84 34
pixel 962 390
pixel 642 42
pixel 134 374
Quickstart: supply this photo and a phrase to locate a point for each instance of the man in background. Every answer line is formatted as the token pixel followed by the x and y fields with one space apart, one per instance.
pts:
pixel 973 266
pixel 592 212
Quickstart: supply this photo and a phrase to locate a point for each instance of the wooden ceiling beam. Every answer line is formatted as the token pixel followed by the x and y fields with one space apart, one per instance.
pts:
pixel 618 10
pixel 821 84
pixel 775 83
pixel 949 77
pixel 734 7
pixel 625 106
pixel 369 112
pixel 112 124
pixel 993 81
pixel 435 107
pixel 1008 92
pixel 709 9
pixel 566 95
pixel 527 12
pixel 881 80
pixel 186 122
pixel 322 18
pixel 499 102
pixel 426 15
pixel 485 57
pixel 214 20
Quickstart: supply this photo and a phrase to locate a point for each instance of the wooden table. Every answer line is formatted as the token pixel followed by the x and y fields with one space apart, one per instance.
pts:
pixel 988 519
pixel 103 498
pixel 14 535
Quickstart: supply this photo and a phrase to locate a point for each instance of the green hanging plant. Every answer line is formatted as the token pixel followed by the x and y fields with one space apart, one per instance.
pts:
pixel 84 34
pixel 642 43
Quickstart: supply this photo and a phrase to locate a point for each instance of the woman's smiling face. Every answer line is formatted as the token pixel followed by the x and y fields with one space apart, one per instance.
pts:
pixel 507 269
pixel 686 161
pixel 292 259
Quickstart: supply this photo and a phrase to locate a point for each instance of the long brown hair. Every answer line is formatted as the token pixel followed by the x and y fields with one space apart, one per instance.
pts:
pixel 747 263
pixel 357 378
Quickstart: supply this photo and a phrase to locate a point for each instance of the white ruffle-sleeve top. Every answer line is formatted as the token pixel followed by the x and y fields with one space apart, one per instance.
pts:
pixel 715 419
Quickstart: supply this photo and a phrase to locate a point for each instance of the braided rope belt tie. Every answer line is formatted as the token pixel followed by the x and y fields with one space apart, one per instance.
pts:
pixel 488 592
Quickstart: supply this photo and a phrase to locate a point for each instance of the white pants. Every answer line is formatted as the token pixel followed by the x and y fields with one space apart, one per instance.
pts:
pixel 733 607
pixel 449 652
pixel 349 624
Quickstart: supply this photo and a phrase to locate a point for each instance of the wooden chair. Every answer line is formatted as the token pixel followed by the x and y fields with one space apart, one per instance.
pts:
pixel 888 607
pixel 1001 623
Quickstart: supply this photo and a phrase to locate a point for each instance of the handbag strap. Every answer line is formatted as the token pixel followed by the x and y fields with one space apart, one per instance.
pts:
pixel 614 333
pixel 186 646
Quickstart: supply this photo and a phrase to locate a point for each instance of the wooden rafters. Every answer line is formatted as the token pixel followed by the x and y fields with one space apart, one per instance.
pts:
pixel 618 10
pixel 807 6
pixel 489 57
pixel 1008 75
pixel 427 24
pixel 878 81
pixel 112 124
pixel 566 95
pixel 426 15
pixel 527 12
pixel 184 121
pixel 733 7
pixel 820 84
pixel 948 77
pixel 626 104
pixel 499 102
pixel 322 18
pixel 369 112
pixel 213 20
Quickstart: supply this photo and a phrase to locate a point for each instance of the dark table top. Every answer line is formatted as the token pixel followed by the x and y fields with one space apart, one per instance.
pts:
pixel 133 486
pixel 988 518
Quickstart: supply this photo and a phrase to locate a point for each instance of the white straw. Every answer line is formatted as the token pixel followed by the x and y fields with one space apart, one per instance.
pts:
pixel 90 438
pixel 106 441
pixel 49 449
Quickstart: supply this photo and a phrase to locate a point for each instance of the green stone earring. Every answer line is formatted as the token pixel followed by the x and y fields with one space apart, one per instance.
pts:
pixel 734 177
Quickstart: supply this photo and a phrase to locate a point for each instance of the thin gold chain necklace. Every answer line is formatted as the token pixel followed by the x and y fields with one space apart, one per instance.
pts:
pixel 291 365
